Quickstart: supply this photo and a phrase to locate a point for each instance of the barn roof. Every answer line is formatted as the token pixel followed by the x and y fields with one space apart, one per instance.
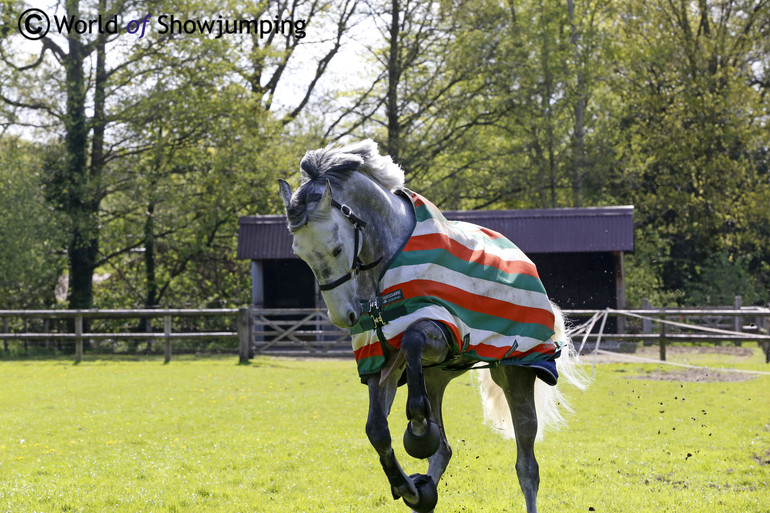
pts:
pixel 554 230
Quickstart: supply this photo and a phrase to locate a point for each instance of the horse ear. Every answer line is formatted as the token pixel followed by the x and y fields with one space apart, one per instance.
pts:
pixel 325 205
pixel 285 190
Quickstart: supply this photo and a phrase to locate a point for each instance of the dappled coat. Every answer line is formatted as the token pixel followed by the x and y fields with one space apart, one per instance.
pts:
pixel 474 281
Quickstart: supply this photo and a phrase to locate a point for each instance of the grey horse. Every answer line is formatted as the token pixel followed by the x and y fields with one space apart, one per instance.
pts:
pixel 350 219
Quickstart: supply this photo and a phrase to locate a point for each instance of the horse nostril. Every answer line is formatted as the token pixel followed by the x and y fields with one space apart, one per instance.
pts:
pixel 352 318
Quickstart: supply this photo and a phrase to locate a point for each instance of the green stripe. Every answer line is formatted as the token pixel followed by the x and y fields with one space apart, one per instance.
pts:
pixel 528 358
pixel 480 320
pixel 444 258
pixel 423 213
pixel 370 364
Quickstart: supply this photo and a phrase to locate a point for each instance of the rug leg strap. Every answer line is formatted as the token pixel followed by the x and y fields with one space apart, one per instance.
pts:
pixel 397 361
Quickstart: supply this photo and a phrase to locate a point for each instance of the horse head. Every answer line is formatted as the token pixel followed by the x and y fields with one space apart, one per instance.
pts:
pixel 327 241
pixel 343 190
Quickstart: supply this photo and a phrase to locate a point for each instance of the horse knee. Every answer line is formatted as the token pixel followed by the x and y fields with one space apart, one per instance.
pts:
pixel 379 435
pixel 528 467
pixel 528 472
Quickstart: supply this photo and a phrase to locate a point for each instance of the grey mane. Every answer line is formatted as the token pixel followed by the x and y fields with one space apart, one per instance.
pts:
pixel 337 164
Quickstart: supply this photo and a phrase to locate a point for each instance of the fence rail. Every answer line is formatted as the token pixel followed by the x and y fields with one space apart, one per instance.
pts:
pixel 308 331
pixel 79 335
pixel 715 325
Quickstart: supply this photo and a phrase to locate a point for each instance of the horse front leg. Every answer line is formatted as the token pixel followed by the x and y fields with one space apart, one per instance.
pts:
pixel 380 401
pixel 422 342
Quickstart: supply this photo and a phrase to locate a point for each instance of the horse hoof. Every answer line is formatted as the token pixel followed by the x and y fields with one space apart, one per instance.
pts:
pixel 428 495
pixel 423 446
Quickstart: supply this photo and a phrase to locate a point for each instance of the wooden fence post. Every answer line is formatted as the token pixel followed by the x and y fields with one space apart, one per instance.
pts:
pixel 738 323
pixel 662 342
pixel 244 334
pixel 78 339
pixel 167 338
pixel 646 323
pixel 47 329
pixel 148 328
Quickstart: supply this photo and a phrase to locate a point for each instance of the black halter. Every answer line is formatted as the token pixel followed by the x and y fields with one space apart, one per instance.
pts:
pixel 358 265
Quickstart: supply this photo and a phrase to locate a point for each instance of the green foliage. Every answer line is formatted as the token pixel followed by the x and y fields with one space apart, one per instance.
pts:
pixel 281 435
pixel 486 104
pixel 690 141
pixel 30 253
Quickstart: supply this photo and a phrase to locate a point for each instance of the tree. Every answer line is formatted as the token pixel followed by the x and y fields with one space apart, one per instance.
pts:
pixel 692 139
pixel 130 106
pixel 76 183
pixel 29 256
pixel 432 64
pixel 220 133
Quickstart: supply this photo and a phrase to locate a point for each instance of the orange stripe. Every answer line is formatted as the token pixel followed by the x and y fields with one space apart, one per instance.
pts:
pixel 455 333
pixel 475 302
pixel 396 341
pixel 547 348
pixel 420 201
pixel 373 349
pixel 489 351
pixel 441 241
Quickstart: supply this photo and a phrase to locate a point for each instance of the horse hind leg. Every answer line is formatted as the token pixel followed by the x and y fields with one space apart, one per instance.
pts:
pixel 436 381
pixel 518 383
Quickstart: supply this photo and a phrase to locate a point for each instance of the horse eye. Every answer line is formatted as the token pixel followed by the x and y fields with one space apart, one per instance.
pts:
pixel 337 251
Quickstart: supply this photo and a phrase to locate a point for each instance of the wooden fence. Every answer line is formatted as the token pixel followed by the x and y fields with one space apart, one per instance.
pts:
pixel 649 325
pixel 297 332
pixel 308 331
pixel 78 335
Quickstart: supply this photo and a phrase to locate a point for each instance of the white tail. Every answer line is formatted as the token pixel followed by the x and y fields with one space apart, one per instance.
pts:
pixel 549 400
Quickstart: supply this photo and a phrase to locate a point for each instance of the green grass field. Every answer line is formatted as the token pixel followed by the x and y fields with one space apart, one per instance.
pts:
pixel 287 436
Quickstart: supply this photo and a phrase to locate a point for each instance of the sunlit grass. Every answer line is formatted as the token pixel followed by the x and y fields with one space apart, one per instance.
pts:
pixel 288 435
pixel 746 354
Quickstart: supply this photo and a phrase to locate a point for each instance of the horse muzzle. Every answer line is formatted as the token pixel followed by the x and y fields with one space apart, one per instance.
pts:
pixel 347 318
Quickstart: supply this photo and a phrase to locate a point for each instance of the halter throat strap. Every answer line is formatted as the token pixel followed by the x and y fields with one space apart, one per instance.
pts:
pixel 358 265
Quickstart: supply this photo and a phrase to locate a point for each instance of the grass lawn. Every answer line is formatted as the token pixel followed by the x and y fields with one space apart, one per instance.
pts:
pixel 284 435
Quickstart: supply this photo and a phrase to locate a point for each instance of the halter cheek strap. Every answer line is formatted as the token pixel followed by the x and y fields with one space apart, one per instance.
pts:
pixel 358 265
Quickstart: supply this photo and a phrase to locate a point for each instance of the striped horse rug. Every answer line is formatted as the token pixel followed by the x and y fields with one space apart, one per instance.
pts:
pixel 477 284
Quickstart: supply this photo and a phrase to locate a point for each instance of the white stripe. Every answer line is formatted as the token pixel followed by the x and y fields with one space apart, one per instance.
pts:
pixel 492 289
pixel 363 339
pixel 431 226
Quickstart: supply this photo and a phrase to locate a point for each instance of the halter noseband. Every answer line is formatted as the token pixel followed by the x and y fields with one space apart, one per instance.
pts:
pixel 358 265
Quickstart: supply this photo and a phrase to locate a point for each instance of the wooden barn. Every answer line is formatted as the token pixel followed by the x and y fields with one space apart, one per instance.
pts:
pixel 578 253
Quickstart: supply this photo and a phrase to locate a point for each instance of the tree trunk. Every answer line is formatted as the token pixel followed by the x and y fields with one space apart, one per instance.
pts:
pixel 80 204
pixel 151 298
pixel 578 132
pixel 547 110
pixel 394 75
